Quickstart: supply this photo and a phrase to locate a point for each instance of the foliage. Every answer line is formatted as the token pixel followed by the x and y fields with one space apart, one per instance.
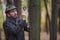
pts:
pixel 1 20
pixel 25 3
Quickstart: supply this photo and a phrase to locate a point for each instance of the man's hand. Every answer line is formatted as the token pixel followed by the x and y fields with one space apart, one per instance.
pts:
pixel 23 15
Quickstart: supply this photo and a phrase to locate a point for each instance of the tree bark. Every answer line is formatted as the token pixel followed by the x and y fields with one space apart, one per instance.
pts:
pixel 9 2
pixel 17 3
pixel 34 19
pixel 47 25
pixel 53 28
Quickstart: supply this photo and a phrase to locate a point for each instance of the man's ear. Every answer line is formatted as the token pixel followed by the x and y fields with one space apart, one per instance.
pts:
pixel 8 15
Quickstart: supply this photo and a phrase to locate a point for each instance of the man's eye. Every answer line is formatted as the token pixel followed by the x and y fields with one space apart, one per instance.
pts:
pixel 12 11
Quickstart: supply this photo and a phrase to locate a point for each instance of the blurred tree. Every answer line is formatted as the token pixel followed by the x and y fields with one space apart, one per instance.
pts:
pixel 0 17
pixel 59 16
pixel 17 3
pixel 9 2
pixel 59 22
pixel 34 19
pixel 59 19
pixel 47 24
pixel 53 27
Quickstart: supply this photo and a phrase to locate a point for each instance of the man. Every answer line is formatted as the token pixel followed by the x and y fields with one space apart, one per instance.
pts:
pixel 13 26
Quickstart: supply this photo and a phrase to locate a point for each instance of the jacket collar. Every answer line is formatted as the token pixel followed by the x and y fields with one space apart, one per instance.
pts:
pixel 11 20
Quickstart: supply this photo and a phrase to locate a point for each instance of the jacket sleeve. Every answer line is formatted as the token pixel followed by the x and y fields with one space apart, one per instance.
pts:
pixel 10 27
pixel 25 26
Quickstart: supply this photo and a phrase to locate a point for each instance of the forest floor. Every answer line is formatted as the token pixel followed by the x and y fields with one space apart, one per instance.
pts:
pixel 43 36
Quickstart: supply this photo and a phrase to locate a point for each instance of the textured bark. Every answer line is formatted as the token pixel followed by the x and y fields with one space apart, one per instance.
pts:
pixel 34 19
pixel 53 28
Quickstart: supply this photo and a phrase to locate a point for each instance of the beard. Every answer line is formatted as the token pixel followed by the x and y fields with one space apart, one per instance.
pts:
pixel 15 16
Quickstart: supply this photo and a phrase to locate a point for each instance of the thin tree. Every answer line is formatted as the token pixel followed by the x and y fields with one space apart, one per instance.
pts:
pixel 47 16
pixel 53 27
pixel 59 16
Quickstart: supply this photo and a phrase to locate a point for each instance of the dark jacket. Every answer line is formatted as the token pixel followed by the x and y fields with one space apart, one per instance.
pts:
pixel 14 30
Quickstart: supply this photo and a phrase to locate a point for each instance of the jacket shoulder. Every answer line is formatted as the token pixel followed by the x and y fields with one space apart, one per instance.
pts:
pixel 5 22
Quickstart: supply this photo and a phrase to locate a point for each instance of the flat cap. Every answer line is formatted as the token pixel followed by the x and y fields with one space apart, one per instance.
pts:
pixel 9 7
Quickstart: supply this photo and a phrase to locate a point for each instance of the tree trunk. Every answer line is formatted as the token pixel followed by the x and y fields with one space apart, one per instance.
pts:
pixel 9 2
pixel 34 19
pixel 53 28
pixel 47 25
pixel 59 19
pixel 17 3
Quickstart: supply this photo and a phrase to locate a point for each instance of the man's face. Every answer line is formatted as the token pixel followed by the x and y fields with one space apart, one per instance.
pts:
pixel 13 13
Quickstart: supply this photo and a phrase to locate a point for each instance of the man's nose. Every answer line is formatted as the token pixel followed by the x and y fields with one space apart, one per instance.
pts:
pixel 16 12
